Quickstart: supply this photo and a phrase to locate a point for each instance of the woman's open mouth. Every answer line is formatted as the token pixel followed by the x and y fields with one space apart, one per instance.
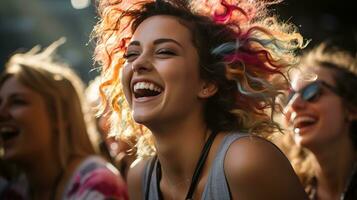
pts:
pixel 301 123
pixel 8 132
pixel 146 89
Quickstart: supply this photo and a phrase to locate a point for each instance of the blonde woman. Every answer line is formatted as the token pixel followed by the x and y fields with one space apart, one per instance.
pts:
pixel 322 112
pixel 45 129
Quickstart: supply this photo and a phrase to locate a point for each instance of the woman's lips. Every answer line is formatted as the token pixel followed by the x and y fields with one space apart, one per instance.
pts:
pixel 146 89
pixel 8 132
pixel 302 123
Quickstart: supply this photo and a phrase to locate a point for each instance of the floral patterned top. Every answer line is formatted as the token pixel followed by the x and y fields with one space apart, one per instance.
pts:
pixel 96 179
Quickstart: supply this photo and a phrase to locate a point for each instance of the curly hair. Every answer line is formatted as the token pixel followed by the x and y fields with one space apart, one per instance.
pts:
pixel 242 48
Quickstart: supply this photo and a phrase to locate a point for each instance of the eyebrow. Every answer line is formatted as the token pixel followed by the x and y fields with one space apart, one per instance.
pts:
pixel 164 40
pixel 18 94
pixel 134 43
pixel 156 42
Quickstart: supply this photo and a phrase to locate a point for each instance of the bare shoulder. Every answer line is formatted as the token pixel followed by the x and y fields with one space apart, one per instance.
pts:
pixel 251 151
pixel 257 169
pixel 135 178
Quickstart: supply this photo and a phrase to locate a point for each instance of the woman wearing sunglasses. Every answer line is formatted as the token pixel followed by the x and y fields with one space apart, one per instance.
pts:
pixel 321 109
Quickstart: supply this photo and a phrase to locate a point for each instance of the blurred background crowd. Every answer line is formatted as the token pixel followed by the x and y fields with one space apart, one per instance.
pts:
pixel 24 24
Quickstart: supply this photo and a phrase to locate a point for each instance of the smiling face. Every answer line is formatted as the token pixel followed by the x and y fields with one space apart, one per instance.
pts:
pixel 161 76
pixel 25 129
pixel 321 121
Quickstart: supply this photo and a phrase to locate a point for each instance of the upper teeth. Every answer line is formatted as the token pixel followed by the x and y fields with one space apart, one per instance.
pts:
pixel 146 85
pixel 301 119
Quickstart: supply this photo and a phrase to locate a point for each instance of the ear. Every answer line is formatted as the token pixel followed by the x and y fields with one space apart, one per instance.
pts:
pixel 207 90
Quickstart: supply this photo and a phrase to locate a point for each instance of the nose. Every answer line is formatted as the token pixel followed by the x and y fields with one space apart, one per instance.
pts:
pixel 295 104
pixel 4 111
pixel 142 64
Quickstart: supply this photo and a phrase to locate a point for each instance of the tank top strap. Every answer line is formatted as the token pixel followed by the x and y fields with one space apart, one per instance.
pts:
pixel 217 185
pixel 150 189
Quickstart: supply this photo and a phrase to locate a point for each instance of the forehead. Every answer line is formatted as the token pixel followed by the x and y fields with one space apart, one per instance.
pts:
pixel 303 77
pixel 11 84
pixel 162 26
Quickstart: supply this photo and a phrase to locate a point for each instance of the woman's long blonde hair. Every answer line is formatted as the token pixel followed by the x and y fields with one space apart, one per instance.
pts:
pixel 63 93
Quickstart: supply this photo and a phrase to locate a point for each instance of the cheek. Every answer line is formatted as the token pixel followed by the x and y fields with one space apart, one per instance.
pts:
pixel 333 116
pixel 25 115
pixel 182 73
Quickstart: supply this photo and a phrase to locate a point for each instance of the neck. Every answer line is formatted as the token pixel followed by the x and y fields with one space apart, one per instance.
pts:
pixel 334 168
pixel 179 152
pixel 43 177
pixel 179 148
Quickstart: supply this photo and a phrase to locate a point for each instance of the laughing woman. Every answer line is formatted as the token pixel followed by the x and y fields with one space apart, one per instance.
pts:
pixel 198 79
pixel 45 130
pixel 322 111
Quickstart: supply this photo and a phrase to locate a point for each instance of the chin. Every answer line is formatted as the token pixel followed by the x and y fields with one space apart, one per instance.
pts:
pixel 308 143
pixel 148 121
pixel 145 115
pixel 141 119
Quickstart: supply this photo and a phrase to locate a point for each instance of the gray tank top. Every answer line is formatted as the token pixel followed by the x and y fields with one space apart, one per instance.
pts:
pixel 216 186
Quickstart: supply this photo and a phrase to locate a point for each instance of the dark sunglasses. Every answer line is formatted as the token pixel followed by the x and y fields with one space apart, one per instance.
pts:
pixel 311 91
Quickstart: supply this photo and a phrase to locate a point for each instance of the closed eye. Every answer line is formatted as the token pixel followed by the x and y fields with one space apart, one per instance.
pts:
pixel 131 55
pixel 18 101
pixel 165 52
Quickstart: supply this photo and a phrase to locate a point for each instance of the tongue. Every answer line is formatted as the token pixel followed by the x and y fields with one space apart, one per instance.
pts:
pixel 306 123
pixel 145 93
